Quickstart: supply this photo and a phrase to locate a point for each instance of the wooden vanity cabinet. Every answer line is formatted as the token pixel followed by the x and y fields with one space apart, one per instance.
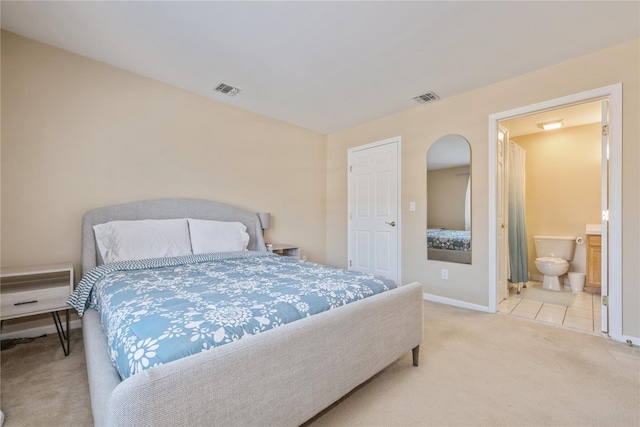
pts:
pixel 594 262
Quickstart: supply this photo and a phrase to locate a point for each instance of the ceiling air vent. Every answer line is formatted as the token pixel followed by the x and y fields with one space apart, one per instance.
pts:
pixel 427 97
pixel 227 90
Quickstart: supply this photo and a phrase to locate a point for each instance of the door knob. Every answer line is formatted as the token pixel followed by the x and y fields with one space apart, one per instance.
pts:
pixel 392 223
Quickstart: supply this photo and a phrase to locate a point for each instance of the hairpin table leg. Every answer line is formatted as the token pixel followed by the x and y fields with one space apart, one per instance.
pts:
pixel 62 334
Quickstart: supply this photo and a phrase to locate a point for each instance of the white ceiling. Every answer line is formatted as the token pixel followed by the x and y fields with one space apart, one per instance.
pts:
pixel 327 66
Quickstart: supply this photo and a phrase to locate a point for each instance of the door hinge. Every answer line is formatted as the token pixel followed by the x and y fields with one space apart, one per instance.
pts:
pixel 350 168
pixel 605 300
pixel 349 263
pixel 605 215
pixel 605 130
pixel 350 215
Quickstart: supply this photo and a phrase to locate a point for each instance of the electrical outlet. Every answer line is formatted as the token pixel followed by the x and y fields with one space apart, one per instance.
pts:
pixel 445 274
pixel 412 206
pixel 304 257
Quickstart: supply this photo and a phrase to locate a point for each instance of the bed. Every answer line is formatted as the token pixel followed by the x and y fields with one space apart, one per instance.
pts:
pixel 449 245
pixel 282 376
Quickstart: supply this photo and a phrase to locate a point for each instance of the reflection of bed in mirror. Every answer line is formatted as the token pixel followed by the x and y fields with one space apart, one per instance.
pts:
pixel 449 200
pixel 449 245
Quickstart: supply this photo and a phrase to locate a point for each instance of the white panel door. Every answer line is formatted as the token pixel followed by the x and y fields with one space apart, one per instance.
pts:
pixel 373 209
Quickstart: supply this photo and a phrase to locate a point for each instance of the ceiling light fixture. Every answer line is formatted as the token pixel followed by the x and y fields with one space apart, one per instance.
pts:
pixel 556 124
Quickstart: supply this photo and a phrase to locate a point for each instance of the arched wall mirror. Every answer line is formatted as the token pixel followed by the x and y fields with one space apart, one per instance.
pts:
pixel 449 200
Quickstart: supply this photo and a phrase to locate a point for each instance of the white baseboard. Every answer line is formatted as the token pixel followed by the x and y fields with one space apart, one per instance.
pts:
pixel 39 331
pixel 536 277
pixel 564 279
pixel 456 303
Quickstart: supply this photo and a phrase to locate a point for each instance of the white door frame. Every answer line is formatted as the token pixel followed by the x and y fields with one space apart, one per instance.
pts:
pixel 397 141
pixel 502 214
pixel 604 221
pixel 614 94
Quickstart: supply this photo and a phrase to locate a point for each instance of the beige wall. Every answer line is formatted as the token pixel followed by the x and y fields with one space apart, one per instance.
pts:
pixel 79 134
pixel 563 186
pixel 467 115
pixel 446 194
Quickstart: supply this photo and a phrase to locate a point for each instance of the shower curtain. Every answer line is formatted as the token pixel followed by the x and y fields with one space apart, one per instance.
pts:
pixel 518 251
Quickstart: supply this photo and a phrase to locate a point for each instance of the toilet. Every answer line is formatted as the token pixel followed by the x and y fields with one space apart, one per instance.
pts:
pixel 553 255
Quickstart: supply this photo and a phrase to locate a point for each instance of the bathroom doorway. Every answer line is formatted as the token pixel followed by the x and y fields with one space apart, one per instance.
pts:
pixel 560 197
pixel 610 187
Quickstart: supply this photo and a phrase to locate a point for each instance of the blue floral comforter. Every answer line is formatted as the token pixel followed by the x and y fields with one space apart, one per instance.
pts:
pixel 452 240
pixel 156 311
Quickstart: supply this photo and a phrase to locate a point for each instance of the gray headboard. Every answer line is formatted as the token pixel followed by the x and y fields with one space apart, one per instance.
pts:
pixel 165 209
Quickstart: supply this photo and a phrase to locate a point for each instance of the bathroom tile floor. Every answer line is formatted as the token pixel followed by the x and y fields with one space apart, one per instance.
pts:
pixel 584 315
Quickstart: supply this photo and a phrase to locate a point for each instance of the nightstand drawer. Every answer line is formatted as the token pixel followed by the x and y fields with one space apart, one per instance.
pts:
pixel 38 289
pixel 33 301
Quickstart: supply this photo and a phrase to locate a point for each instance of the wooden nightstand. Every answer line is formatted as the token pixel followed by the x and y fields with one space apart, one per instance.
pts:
pixel 27 291
pixel 285 250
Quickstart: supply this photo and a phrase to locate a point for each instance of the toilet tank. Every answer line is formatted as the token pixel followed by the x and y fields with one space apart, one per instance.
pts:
pixel 555 246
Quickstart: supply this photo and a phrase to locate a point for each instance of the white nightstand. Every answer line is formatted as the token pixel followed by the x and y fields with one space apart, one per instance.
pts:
pixel 27 291
pixel 285 250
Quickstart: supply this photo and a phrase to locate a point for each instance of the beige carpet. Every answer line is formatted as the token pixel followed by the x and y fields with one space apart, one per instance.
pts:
pixel 42 387
pixel 476 369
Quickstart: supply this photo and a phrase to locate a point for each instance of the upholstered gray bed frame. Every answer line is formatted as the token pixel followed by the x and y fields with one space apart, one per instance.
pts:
pixel 165 209
pixel 463 257
pixel 281 377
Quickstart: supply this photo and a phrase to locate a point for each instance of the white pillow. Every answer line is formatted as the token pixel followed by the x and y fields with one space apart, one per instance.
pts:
pixel 217 236
pixel 147 238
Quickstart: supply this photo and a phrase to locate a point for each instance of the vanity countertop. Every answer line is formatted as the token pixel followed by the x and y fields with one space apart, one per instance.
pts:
pixel 594 229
